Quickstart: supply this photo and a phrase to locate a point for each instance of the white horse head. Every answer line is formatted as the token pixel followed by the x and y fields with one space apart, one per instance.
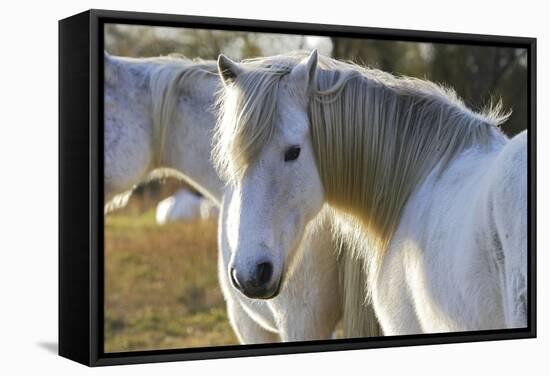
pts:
pixel 276 197
pixel 296 133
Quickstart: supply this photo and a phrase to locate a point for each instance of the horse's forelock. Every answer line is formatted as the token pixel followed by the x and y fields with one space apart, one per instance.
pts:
pixel 247 111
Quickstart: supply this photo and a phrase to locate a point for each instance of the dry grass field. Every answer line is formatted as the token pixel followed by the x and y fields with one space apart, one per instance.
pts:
pixel 161 285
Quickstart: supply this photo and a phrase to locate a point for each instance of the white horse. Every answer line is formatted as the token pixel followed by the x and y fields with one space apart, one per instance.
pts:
pixel 159 115
pixel 185 206
pixel 156 121
pixel 431 194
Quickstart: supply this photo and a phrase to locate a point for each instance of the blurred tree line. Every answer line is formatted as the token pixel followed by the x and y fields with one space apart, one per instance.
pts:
pixel 478 74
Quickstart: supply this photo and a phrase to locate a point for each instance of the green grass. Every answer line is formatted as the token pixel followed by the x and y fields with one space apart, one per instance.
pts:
pixel 161 286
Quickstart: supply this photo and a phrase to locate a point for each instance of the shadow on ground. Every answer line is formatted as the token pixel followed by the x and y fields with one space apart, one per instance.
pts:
pixel 50 347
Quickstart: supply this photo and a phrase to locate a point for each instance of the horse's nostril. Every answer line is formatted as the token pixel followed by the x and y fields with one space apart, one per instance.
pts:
pixel 234 280
pixel 264 271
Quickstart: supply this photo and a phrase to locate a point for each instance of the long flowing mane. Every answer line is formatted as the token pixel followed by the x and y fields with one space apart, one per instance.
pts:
pixel 376 136
pixel 168 76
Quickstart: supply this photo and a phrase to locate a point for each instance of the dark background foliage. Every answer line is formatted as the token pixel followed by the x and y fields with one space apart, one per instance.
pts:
pixel 479 74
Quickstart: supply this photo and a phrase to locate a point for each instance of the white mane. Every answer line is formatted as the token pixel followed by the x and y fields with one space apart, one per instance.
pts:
pixel 169 76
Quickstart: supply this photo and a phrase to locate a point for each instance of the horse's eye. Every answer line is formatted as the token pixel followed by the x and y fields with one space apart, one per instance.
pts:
pixel 292 153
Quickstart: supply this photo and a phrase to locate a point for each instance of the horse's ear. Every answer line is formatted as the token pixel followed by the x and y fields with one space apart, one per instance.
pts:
pixel 228 69
pixel 305 73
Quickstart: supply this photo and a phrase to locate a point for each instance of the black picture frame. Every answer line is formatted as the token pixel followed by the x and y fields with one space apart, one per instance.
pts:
pixel 81 186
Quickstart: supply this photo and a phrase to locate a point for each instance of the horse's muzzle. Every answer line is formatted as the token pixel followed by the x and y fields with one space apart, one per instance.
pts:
pixel 260 284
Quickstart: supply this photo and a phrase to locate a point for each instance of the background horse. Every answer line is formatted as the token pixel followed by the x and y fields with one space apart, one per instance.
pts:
pixel 431 194
pixel 159 115
pixel 185 206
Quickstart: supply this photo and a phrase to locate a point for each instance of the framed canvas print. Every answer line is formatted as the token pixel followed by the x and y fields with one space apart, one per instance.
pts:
pixel 240 187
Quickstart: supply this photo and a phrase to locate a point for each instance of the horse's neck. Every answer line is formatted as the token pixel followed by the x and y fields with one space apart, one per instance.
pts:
pixel 132 152
pixel 188 142
pixel 408 135
pixel 460 188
